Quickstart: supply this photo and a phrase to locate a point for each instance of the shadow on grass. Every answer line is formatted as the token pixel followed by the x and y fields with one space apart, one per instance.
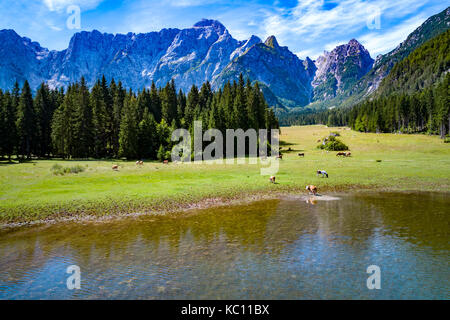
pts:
pixel 284 143
pixel 8 163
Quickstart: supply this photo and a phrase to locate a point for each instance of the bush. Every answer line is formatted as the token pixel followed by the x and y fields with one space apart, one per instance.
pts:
pixel 60 170
pixel 56 167
pixel 447 140
pixel 333 144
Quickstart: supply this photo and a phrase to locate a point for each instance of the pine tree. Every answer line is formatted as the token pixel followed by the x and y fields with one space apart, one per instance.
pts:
pixel 44 109
pixel 155 103
pixel 26 122
pixel 253 107
pixel 99 121
pixel 191 104
pixel 64 123
pixel 169 102
pixel 59 132
pixel 119 97
pixel 181 106
pixel 128 135
pixel 83 124
pixel 108 116
pixel 147 139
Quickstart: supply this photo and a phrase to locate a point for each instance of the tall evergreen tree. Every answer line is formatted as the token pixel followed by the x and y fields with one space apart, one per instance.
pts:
pixel 99 120
pixel 128 135
pixel 26 122
pixel 44 109
pixel 119 97
pixel 191 104
pixel 83 123
pixel 147 137
pixel 155 103
pixel 169 102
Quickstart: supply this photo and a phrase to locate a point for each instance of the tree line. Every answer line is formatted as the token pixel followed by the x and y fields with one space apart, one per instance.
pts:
pixel 424 111
pixel 427 111
pixel 109 121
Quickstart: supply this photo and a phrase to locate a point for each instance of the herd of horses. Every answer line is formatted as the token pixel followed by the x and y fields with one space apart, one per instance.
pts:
pixel 312 189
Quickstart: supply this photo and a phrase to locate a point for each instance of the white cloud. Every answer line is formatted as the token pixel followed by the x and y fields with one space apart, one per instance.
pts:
pixel 311 53
pixel 60 5
pixel 310 19
pixel 52 26
pixel 312 27
pixel 189 3
pixel 380 43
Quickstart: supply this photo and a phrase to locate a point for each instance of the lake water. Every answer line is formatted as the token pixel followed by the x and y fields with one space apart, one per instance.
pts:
pixel 274 249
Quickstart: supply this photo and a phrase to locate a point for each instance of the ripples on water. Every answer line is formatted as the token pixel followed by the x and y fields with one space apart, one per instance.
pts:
pixel 277 249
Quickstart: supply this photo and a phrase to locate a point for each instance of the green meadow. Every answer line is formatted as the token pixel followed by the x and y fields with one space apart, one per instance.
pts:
pixel 32 191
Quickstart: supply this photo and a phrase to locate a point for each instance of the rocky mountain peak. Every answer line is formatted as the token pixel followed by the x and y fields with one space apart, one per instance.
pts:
pixel 272 42
pixel 339 69
pixel 216 25
pixel 310 67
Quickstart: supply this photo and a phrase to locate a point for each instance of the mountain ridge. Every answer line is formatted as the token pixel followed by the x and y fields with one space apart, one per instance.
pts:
pixel 369 83
pixel 208 52
pixel 204 52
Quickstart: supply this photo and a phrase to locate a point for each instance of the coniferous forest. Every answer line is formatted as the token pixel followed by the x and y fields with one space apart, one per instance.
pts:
pixel 109 121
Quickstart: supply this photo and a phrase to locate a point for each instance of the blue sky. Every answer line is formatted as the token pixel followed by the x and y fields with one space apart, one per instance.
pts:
pixel 307 27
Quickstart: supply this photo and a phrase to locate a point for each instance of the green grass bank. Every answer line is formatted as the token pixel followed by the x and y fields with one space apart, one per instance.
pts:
pixel 31 191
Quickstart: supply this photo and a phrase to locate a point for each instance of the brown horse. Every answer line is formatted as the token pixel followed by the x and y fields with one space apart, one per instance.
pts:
pixel 312 189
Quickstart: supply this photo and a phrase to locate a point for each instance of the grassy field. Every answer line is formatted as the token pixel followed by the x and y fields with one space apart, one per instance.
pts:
pixel 30 191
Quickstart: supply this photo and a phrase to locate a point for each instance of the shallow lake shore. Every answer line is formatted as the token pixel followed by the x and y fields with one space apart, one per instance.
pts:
pixel 284 248
pixel 177 209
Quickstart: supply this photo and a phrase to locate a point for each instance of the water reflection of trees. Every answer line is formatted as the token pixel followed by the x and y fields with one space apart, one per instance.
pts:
pixel 422 219
pixel 160 240
pixel 221 236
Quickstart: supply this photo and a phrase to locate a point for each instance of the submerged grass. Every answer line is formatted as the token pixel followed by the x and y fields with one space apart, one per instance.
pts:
pixel 31 191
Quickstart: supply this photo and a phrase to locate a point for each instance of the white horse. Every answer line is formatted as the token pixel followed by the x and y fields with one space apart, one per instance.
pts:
pixel 323 173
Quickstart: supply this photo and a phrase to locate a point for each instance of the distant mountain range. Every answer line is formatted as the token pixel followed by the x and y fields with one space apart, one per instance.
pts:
pixel 369 83
pixel 204 52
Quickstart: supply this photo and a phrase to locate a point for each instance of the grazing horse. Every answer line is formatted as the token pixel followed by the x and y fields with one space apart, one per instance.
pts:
pixel 115 167
pixel 301 154
pixel 340 154
pixel 139 163
pixel 272 179
pixel 323 173
pixel 166 162
pixel 312 189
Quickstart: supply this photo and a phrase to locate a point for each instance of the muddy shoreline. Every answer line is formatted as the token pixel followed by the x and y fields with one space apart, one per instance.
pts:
pixel 211 202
